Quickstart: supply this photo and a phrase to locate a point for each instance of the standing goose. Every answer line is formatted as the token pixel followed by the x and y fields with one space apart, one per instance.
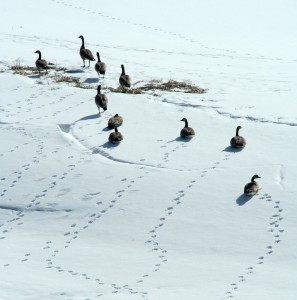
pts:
pixel 100 66
pixel 115 121
pixel 115 137
pixel 252 187
pixel 125 80
pixel 85 54
pixel 187 132
pixel 238 141
pixel 41 64
pixel 101 99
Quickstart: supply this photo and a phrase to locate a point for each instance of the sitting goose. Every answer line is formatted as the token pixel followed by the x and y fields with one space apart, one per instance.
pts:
pixel 187 132
pixel 252 187
pixel 125 80
pixel 100 66
pixel 101 99
pixel 115 137
pixel 85 54
pixel 41 63
pixel 238 141
pixel 115 121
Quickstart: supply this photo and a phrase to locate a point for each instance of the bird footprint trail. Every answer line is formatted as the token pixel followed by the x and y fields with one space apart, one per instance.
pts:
pixel 153 241
pixel 34 203
pixel 275 231
pixel 179 36
pixel 73 232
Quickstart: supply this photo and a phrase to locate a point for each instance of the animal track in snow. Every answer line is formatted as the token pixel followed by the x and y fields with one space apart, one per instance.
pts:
pixel 35 200
pixel 269 250
pixel 177 200
pixel 72 233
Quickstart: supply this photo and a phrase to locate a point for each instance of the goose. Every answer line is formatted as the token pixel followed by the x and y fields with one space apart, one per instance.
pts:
pixel 100 66
pixel 85 54
pixel 252 188
pixel 115 121
pixel 125 80
pixel 41 63
pixel 115 137
pixel 187 132
pixel 238 141
pixel 101 99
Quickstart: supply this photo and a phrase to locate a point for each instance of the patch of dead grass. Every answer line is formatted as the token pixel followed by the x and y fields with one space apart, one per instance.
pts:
pixel 75 81
pixel 157 85
pixel 24 70
pixel 152 86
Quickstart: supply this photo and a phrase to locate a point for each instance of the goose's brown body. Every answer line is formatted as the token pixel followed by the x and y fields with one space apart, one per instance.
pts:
pixel 41 64
pixel 115 121
pixel 125 80
pixel 115 137
pixel 238 141
pixel 187 132
pixel 100 66
pixel 85 54
pixel 252 188
pixel 101 99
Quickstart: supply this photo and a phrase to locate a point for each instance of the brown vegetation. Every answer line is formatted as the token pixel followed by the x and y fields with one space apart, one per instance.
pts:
pixel 153 85
pixel 157 85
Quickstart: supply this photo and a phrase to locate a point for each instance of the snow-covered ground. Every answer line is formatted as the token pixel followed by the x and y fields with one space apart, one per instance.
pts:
pixel 155 217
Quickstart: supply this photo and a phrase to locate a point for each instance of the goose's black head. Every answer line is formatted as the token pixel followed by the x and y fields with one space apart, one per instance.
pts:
pixel 186 122
pixel 37 51
pixel 255 177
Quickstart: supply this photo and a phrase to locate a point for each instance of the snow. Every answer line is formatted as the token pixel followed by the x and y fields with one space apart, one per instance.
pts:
pixel 156 217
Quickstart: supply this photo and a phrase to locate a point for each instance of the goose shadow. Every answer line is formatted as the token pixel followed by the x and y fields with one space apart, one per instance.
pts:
pixel 107 145
pixel 90 117
pixel 91 80
pixel 231 149
pixel 106 129
pixel 243 199
pixel 35 76
pixel 179 139
pixel 75 71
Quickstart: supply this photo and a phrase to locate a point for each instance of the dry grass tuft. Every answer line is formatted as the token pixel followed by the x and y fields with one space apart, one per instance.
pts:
pixel 125 91
pixel 23 70
pixel 75 81
pixel 66 79
pixel 19 69
pixel 152 86
pixel 157 85
pixel 175 86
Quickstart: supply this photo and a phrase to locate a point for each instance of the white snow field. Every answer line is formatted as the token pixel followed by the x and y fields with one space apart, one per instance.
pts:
pixel 156 217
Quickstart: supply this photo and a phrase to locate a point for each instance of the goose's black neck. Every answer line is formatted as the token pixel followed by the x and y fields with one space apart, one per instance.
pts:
pixel 39 54
pixel 237 130
pixel 116 115
pixel 115 129
pixel 186 123
pixel 99 89
pixel 253 178
pixel 123 69
pixel 98 56
pixel 82 43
